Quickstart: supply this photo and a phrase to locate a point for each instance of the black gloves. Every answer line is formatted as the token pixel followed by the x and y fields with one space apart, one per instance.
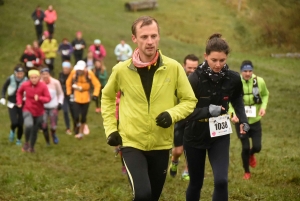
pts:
pixel 246 128
pixel 114 139
pixel 59 106
pixel 164 120
pixel 95 98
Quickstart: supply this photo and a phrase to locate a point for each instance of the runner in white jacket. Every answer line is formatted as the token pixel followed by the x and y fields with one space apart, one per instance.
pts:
pixel 51 108
pixel 123 51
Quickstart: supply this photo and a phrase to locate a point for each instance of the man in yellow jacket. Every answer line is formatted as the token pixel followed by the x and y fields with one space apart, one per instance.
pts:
pixel 49 47
pixel 78 87
pixel 147 112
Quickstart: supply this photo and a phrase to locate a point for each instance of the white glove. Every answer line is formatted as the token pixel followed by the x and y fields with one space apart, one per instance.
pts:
pixel 74 86
pixel 3 101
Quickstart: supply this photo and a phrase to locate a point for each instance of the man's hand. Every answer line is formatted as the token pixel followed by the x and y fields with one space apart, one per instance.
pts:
pixel 114 139
pixel 235 119
pixel 164 120
pixel 262 112
pixel 36 97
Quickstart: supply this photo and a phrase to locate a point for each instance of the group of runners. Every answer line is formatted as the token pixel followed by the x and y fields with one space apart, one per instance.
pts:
pixel 160 105
pixel 190 108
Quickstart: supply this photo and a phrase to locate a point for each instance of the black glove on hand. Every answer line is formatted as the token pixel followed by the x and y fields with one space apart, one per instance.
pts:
pixel 246 128
pixel 114 139
pixel 164 120
pixel 59 106
pixel 95 98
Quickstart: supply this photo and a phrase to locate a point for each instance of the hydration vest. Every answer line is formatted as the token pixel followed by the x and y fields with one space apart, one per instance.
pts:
pixel 12 87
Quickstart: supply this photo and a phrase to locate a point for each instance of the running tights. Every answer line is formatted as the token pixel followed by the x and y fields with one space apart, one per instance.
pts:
pixel 147 172
pixel 218 155
pixel 255 134
pixel 16 119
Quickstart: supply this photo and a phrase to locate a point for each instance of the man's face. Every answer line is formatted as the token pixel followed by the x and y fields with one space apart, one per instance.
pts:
pixel 122 42
pixel 20 75
pixel 34 79
pixel 147 39
pixel 45 76
pixel 247 74
pixel 216 60
pixel 65 42
pixel 190 66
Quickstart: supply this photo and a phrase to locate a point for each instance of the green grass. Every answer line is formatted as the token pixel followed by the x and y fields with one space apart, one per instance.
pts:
pixel 87 169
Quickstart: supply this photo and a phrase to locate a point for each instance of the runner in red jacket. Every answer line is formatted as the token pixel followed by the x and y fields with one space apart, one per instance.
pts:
pixel 36 95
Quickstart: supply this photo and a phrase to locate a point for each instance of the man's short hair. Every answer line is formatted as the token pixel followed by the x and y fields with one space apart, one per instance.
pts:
pixel 146 20
pixel 190 57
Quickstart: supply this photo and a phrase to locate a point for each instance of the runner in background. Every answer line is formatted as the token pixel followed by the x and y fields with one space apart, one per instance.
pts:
pixel 28 58
pixel 256 96
pixel 50 19
pixel 190 64
pixel 79 84
pixel 44 37
pixel 36 94
pixel 123 51
pixel 78 45
pixel 52 107
pixel 98 50
pixel 89 60
pixel 38 18
pixel 10 87
pixel 101 74
pixel 66 107
pixel 40 56
pixel 50 47
pixel 65 49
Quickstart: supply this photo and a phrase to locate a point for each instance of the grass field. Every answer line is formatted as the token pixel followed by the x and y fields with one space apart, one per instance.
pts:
pixel 87 169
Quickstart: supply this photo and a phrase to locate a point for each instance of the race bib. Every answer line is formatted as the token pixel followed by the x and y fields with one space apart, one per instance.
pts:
pixel 65 52
pixel 10 105
pixel 37 60
pixel 78 46
pixel 97 52
pixel 37 22
pixel 47 61
pixel 29 64
pixel 219 126
pixel 250 111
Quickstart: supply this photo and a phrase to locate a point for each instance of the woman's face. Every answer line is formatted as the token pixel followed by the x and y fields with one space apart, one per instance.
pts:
pixel 216 60
pixel 34 79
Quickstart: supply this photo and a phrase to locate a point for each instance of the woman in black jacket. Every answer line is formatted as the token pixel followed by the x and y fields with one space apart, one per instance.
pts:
pixel 207 129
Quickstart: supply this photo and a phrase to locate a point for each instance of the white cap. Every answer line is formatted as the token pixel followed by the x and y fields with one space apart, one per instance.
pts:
pixel 97 41
pixel 80 65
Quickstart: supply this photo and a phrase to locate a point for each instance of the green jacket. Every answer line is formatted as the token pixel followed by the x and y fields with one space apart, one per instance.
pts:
pixel 49 49
pixel 137 125
pixel 248 97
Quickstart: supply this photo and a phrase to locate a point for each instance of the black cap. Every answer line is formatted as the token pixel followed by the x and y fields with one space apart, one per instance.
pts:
pixel 19 68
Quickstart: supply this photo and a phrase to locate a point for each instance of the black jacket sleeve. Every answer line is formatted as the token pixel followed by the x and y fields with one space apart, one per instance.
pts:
pixel 4 88
pixel 198 113
pixel 237 100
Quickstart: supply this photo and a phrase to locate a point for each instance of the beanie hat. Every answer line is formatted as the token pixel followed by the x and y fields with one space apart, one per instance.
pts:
pixel 18 68
pixel 247 65
pixel 33 72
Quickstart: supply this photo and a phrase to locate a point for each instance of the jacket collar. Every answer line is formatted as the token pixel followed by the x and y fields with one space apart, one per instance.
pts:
pixel 161 63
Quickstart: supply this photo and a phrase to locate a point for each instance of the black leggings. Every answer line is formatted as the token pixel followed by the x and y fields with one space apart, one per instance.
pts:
pixel 80 109
pixel 50 28
pixel 218 155
pixel 147 172
pixel 32 125
pixel 16 119
pixel 255 133
pixel 39 31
